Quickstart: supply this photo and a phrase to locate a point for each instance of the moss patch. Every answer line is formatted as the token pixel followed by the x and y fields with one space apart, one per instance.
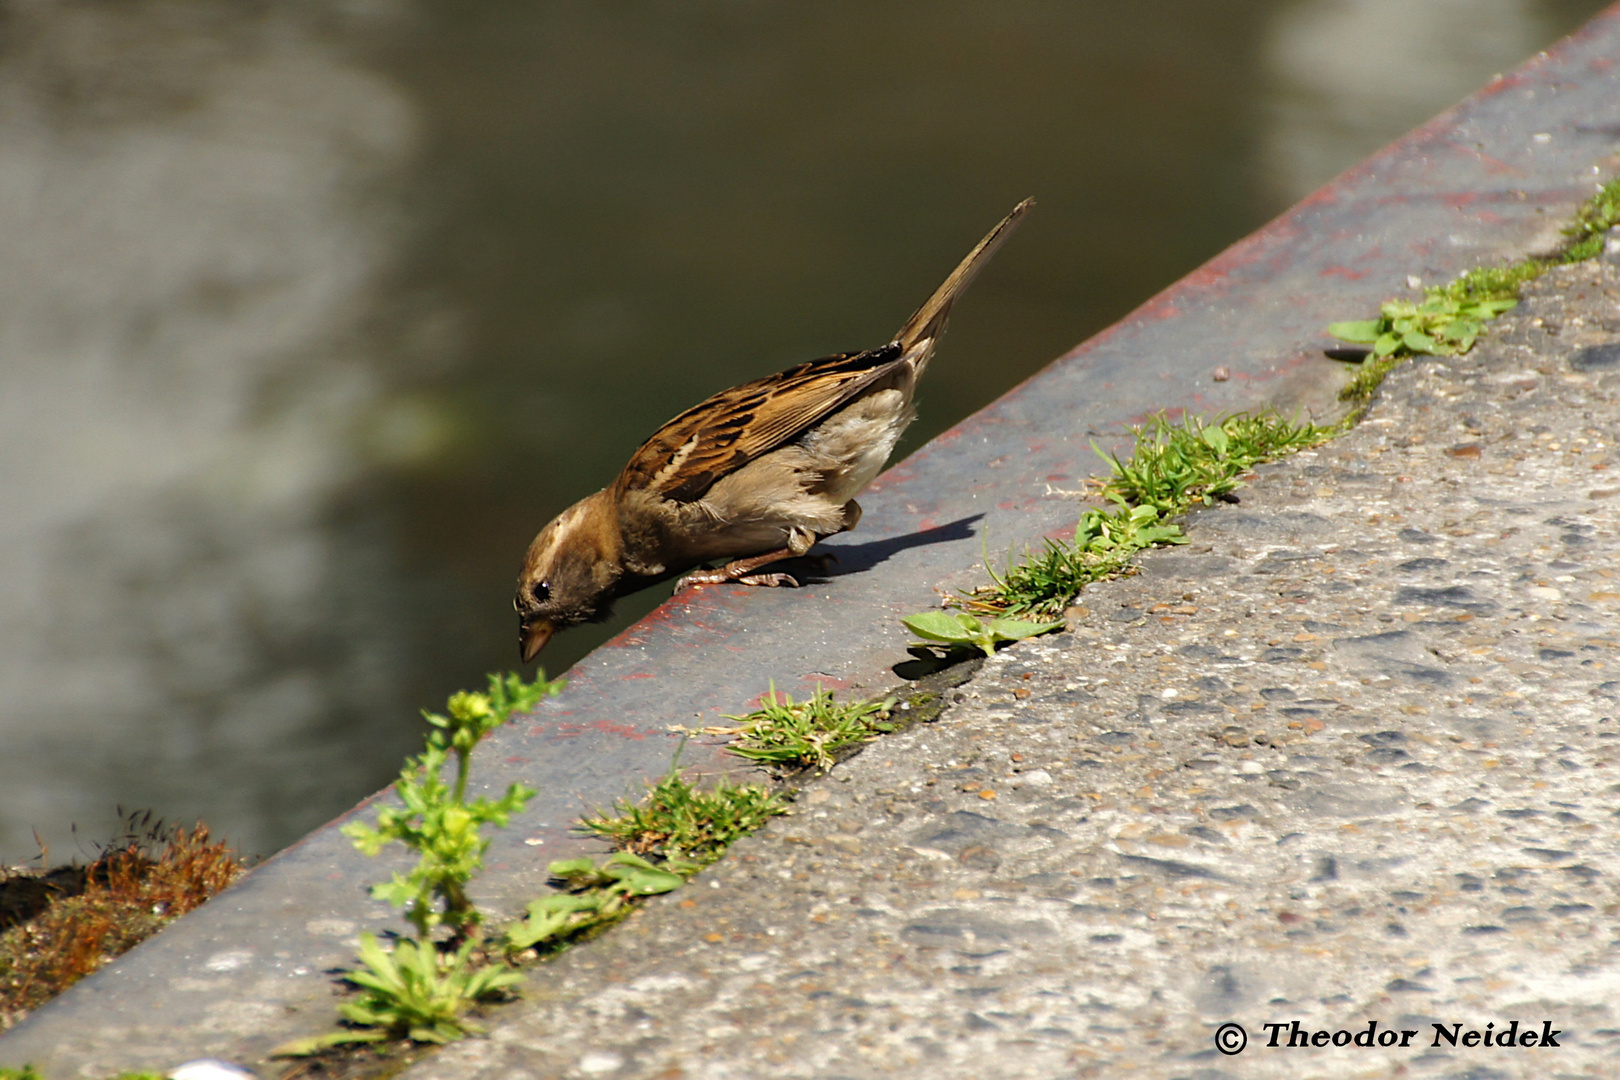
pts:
pixel 68 922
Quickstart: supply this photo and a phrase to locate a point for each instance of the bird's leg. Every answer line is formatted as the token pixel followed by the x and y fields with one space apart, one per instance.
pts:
pixel 852 517
pixel 742 572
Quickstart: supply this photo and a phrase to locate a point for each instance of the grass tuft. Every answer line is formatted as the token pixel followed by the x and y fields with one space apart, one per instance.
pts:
pixel 1172 468
pixel 809 733
pixel 419 992
pixel 1042 583
pixel 683 827
pixel 679 821
pixel 1596 217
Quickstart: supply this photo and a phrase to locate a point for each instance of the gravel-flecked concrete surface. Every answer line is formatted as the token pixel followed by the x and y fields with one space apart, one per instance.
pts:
pixel 1348 757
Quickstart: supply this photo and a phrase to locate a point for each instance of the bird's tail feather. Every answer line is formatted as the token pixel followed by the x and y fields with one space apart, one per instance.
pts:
pixel 930 318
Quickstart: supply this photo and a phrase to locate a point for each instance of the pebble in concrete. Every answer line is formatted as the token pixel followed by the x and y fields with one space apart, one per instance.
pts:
pixel 1352 754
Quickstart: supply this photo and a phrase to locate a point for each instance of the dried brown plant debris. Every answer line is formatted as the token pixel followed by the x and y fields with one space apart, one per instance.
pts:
pixel 59 925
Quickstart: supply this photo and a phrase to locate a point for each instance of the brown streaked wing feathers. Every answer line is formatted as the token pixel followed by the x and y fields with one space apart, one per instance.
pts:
pixel 686 456
pixel 738 425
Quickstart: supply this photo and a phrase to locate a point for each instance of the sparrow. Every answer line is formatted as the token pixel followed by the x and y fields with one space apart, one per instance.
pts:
pixel 753 475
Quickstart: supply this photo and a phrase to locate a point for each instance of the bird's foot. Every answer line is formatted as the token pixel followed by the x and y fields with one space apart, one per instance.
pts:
pixel 742 571
pixel 701 577
pixel 720 577
pixel 769 581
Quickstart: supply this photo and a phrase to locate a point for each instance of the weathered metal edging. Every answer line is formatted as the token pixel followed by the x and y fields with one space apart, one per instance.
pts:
pixel 1485 180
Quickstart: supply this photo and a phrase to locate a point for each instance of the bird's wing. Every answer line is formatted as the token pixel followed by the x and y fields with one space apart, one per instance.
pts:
pixel 715 438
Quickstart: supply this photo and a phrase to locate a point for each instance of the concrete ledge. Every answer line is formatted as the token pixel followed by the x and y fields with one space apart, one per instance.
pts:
pixel 252 968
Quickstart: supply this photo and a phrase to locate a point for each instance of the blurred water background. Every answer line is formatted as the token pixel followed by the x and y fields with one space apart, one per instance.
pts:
pixel 312 313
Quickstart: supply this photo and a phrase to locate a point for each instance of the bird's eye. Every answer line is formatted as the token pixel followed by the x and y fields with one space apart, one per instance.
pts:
pixel 541 592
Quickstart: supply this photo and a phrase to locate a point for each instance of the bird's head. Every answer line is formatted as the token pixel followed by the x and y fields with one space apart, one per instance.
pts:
pixel 569 573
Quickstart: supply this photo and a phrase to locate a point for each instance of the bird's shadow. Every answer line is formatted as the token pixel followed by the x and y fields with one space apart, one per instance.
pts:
pixel 858 558
pixel 834 561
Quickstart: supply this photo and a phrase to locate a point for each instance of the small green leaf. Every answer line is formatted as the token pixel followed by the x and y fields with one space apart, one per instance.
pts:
pixel 527 933
pixel 321 1043
pixel 935 626
pixel 374 957
pixel 1386 344
pixel 1018 629
pixel 562 903
pixel 1418 342
pixel 627 859
pixel 567 868
pixel 651 882
pixel 1359 331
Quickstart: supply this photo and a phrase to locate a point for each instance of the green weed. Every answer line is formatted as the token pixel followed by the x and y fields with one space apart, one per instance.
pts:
pixel 1596 217
pixel 1174 466
pixel 414 991
pixel 683 826
pixel 623 872
pixel 600 896
pixel 687 828
pixel 436 820
pixel 807 733
pixel 941 629
pixel 419 989
pixel 1441 325
pixel 1369 376
pixel 1171 468
pixel 679 821
pixel 418 992
pixel 1042 583
pixel 1490 282
pixel 1452 316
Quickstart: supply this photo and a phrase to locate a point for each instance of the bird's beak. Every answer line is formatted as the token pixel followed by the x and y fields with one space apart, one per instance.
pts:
pixel 532 637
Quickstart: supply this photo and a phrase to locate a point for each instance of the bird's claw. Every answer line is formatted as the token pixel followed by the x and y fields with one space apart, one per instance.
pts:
pixel 700 577
pixel 720 577
pixel 769 581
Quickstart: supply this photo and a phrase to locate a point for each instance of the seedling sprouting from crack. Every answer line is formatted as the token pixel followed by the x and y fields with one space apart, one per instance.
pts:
pixel 1172 468
pixel 421 988
pixel 964 631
